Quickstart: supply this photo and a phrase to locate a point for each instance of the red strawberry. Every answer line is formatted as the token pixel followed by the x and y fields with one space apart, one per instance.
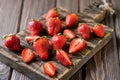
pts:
pixel 53 25
pixel 71 20
pixel 34 27
pixel 27 55
pixel 69 34
pixel 49 69
pixel 98 30
pixel 41 46
pixel 63 57
pixel 12 42
pixel 28 39
pixel 58 41
pixel 84 30
pixel 76 45
pixel 51 13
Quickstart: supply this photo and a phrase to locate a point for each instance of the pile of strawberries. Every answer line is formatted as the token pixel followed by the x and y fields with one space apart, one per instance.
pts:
pixel 42 45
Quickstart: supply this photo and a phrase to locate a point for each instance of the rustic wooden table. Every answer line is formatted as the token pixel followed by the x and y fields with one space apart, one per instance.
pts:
pixel 15 14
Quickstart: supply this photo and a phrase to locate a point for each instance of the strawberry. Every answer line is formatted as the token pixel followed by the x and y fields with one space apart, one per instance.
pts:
pixel 63 57
pixel 27 55
pixel 12 42
pixel 58 41
pixel 53 25
pixel 49 69
pixel 98 30
pixel 76 45
pixel 28 39
pixel 71 20
pixel 34 27
pixel 51 14
pixel 41 46
pixel 84 30
pixel 69 34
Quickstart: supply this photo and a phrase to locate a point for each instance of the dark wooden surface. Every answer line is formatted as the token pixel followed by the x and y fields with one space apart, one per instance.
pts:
pixel 14 15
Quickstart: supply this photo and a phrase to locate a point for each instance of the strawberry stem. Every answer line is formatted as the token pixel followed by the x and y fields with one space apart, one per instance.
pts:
pixel 33 19
pixel 31 42
pixel 44 37
pixel 53 52
pixel 79 36
pixel 80 23
pixel 71 66
pixel 97 24
pixel 59 34
pixel 72 38
pixel 56 10
pixel 78 15
pixel 6 36
pixel 40 19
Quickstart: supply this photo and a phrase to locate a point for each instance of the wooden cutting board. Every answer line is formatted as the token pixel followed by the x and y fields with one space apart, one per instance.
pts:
pixel 33 70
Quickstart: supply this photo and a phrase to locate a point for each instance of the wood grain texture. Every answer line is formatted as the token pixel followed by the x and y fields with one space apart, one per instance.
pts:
pixel 9 16
pixel 70 5
pixel 18 76
pixel 32 9
pixel 117 24
pixel 4 71
pixel 84 3
pixel 110 53
pixel 104 65
pixel 95 71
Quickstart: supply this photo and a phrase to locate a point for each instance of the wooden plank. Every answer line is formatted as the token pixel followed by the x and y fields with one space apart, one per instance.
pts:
pixel 14 60
pixel 117 24
pixel 18 76
pixel 70 5
pixel 83 4
pixel 4 71
pixel 9 18
pixel 32 9
pixel 110 53
pixel 104 65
